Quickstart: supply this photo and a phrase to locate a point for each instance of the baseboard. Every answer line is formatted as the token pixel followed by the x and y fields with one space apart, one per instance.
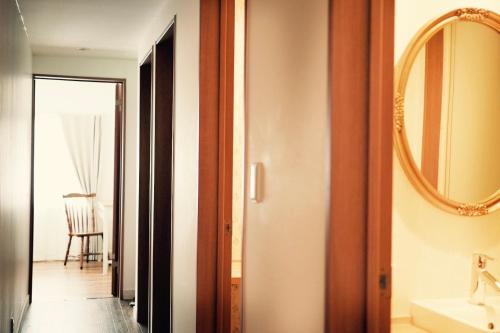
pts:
pixel 401 320
pixel 128 294
pixel 20 318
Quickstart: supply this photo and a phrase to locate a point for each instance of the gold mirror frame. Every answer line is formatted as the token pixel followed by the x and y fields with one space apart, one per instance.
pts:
pixel 405 156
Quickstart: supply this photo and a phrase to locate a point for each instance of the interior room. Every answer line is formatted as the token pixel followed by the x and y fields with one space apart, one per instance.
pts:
pixel 246 166
pixel 446 166
pixel 73 154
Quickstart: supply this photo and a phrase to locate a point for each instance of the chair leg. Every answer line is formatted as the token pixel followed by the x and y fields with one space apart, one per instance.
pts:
pixel 88 248
pixel 102 246
pixel 67 250
pixel 81 252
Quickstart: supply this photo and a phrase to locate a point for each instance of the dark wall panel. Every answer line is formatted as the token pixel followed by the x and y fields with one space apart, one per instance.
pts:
pixel 142 301
pixel 15 163
pixel 162 153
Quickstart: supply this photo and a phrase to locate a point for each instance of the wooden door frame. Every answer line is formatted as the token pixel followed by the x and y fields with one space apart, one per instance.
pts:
pixel 119 167
pixel 118 197
pixel 162 263
pixel 361 58
pixel 213 294
pixel 361 39
pixel 143 227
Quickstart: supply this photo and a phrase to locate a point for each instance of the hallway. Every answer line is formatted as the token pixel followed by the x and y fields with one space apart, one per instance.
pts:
pixel 105 315
pixel 212 188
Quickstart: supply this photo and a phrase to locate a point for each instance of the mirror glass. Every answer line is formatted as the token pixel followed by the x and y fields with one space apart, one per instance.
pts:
pixel 452 111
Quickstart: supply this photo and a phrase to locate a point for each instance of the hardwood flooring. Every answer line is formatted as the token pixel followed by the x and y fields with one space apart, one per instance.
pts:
pixel 53 281
pixel 69 300
pixel 106 315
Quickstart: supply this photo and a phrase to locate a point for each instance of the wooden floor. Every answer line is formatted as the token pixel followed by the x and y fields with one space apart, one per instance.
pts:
pixel 106 315
pixel 70 300
pixel 52 281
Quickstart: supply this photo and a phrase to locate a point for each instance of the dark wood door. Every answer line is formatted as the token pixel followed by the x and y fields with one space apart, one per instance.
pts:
pixel 117 198
pixel 162 174
pixel 143 229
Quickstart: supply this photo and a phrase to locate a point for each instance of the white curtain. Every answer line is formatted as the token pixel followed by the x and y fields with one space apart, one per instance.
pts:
pixel 83 134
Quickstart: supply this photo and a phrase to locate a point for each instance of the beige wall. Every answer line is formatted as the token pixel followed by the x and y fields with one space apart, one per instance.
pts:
pixel 432 249
pixel 287 131
pixel 238 136
pixel 185 152
pixel 15 166
pixel 112 68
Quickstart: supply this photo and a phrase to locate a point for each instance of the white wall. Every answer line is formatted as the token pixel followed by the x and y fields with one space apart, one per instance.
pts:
pixel 432 249
pixel 111 68
pixel 15 164
pixel 287 130
pixel 54 171
pixel 186 153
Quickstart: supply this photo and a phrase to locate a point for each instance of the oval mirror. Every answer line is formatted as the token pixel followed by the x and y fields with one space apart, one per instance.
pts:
pixel 447 111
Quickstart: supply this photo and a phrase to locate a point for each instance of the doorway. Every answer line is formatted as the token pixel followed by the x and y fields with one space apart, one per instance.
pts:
pixel 221 190
pixel 161 183
pixel 143 223
pixel 359 54
pixel 156 175
pixel 238 167
pixel 75 232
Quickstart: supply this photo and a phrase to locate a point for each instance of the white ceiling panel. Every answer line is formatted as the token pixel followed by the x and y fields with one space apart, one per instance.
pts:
pixel 107 28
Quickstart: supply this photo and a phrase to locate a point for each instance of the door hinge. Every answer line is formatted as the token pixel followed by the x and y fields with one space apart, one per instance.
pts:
pixel 382 281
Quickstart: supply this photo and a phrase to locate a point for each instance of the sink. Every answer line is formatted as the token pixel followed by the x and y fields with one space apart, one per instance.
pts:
pixel 457 315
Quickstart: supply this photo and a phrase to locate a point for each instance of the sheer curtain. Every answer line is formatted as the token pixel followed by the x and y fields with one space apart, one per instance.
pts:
pixel 83 136
pixel 83 133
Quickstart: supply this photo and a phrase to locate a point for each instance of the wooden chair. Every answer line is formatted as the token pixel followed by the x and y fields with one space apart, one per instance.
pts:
pixel 82 223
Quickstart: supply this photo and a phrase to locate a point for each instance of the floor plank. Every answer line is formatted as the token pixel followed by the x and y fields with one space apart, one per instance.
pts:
pixel 67 299
pixel 107 315
pixel 53 281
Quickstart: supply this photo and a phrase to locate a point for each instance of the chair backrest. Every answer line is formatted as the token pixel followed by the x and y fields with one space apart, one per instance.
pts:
pixel 80 212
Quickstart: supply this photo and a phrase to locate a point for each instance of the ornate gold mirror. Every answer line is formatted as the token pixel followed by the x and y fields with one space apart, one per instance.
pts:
pixel 447 111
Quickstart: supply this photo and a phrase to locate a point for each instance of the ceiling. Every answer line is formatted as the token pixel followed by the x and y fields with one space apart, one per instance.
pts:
pixel 105 28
